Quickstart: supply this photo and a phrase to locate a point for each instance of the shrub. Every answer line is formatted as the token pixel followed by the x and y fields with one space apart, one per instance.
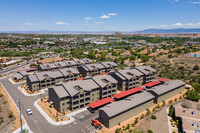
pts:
pixel 196 67
pixel 142 116
pixel 1 120
pixel 153 117
pixel 117 130
pixel 186 104
pixel 163 103
pixel 10 115
pixel 148 112
pixel 150 131
pixel 1 95
pixel 4 102
pixel 192 95
pixel 128 126
pixel 175 99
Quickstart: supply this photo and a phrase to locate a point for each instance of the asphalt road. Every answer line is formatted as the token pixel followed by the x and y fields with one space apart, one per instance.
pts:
pixel 37 123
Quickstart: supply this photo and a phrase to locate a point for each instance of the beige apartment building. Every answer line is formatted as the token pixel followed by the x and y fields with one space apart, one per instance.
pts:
pixel 41 80
pixel 74 95
pixel 133 77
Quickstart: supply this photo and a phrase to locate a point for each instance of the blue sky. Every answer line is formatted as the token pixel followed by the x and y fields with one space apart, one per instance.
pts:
pixel 98 15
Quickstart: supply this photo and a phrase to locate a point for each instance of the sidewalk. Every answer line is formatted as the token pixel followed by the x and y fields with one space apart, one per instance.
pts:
pixel 26 94
pixel 70 115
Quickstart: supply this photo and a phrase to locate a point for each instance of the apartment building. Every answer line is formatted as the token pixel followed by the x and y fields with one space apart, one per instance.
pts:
pixel 74 95
pixel 131 78
pixel 62 64
pixel 108 85
pixel 119 111
pixel 97 68
pixel 109 65
pixel 41 80
pixel 20 76
pixel 149 73
pixel 166 90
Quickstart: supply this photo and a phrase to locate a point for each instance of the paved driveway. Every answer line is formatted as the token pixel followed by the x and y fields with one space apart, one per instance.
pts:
pixel 38 123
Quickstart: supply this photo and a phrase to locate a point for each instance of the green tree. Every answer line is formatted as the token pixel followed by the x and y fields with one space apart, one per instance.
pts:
pixel 192 95
pixel 196 67
pixel 171 111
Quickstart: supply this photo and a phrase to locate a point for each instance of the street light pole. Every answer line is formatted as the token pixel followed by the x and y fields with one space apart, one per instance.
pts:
pixel 20 114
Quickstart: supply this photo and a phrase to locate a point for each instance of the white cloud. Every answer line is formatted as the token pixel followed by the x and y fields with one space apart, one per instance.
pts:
pixel 62 23
pixel 88 18
pixel 29 24
pixel 86 21
pixel 186 25
pixel 104 17
pixel 163 25
pixel 174 1
pixel 177 24
pixel 112 14
pixel 99 22
pixel 196 2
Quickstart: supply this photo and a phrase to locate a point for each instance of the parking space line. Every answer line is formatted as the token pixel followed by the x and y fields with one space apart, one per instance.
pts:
pixel 82 130
pixel 89 129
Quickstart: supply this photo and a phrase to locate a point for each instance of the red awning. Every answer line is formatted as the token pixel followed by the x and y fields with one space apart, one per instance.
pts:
pixel 128 92
pixel 162 80
pixel 151 84
pixel 100 102
pixel 105 74
pixel 80 79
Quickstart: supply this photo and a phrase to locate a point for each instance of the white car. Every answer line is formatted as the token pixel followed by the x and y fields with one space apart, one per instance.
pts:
pixel 29 111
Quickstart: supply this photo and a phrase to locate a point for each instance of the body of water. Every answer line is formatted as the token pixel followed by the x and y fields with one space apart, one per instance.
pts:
pixel 194 55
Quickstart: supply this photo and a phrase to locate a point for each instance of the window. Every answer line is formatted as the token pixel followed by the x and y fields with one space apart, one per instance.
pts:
pixel 63 104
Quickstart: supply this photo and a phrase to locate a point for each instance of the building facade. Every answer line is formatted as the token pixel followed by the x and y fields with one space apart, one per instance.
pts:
pixel 131 78
pixel 119 111
pixel 62 64
pixel 77 94
pixel 97 68
pixel 41 80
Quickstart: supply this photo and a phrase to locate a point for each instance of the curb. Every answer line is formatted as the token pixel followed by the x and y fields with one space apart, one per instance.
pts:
pixel 70 115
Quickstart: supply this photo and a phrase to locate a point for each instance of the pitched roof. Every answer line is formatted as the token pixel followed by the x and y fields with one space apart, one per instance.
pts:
pixel 126 104
pixel 145 69
pixel 167 86
pixel 103 80
pixel 91 67
pixel 108 64
pixel 129 73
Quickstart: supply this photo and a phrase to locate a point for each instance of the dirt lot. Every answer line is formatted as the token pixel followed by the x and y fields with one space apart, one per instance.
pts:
pixel 8 106
pixel 4 112
pixel 52 112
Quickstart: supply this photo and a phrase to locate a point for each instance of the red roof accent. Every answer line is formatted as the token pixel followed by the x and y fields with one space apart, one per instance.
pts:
pixel 162 80
pixel 105 74
pixel 80 79
pixel 27 69
pixel 100 102
pixel 128 92
pixel 151 84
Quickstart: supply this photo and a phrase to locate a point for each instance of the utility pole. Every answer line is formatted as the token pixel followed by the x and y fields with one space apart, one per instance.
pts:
pixel 20 114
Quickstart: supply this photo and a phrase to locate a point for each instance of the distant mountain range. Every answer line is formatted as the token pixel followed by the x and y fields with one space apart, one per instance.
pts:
pixel 161 31
pixel 173 31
